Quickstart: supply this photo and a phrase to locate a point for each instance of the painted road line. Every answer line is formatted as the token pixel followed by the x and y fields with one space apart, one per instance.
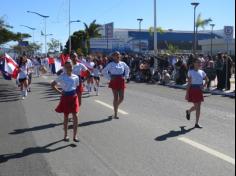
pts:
pixel 208 150
pixel 110 107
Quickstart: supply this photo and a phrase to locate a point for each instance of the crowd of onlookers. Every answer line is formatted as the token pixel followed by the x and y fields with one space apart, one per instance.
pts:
pixel 166 68
pixel 162 69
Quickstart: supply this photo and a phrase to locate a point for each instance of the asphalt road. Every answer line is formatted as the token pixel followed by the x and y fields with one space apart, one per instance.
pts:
pixel 152 137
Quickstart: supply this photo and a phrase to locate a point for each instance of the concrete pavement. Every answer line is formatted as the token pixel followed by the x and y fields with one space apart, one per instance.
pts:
pixel 151 138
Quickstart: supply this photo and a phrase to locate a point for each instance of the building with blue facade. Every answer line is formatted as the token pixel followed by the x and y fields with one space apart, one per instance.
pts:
pixel 131 40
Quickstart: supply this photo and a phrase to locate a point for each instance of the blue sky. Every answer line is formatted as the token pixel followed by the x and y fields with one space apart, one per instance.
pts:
pixel 172 14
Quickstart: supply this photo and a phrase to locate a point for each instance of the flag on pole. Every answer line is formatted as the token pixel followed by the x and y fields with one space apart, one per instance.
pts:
pixel 10 66
pixel 58 66
pixel 5 75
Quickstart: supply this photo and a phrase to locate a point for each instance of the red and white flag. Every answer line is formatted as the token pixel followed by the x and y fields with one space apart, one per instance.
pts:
pixel 11 67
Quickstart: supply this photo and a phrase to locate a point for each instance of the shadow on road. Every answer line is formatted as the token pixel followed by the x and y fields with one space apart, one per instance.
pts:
pixel 33 150
pixel 85 124
pixel 173 134
pixel 37 128
pixel 47 92
pixel 8 93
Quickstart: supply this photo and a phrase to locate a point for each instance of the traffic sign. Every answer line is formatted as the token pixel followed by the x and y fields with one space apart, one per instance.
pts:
pixel 229 32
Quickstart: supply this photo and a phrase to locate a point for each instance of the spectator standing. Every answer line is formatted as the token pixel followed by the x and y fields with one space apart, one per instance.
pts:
pixel 220 72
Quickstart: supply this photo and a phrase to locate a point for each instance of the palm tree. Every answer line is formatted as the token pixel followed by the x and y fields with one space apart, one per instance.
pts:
pixel 91 31
pixel 172 49
pixel 202 23
pixel 159 30
pixel 53 45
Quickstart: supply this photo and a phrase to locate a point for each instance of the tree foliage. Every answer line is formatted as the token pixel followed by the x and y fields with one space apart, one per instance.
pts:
pixel 202 22
pixel 172 49
pixel 53 45
pixel 6 35
pixel 31 48
pixel 81 39
pixel 159 30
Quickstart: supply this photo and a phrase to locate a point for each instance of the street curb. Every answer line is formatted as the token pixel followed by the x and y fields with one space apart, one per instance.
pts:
pixel 183 87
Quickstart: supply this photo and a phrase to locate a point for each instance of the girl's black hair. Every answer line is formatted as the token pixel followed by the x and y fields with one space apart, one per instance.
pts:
pixel 21 61
pixel 196 60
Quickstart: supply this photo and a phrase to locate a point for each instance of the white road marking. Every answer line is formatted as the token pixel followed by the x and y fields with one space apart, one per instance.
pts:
pixel 208 150
pixel 110 107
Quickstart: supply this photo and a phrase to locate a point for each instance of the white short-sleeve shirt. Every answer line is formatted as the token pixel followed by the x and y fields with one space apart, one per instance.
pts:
pixel 78 68
pixel 113 68
pixel 197 77
pixel 23 71
pixel 68 83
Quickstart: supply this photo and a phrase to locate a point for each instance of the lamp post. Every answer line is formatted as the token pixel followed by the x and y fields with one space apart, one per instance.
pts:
pixel 33 29
pixel 140 30
pixel 195 5
pixel 70 45
pixel 155 27
pixel 45 27
pixel 212 29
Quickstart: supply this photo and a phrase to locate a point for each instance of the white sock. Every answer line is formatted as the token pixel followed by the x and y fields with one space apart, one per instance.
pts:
pixel 26 93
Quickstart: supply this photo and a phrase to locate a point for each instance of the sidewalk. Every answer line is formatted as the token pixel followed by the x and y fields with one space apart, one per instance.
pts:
pixel 213 90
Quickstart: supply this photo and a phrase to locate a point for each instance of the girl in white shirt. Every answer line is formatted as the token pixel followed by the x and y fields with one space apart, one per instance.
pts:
pixel 78 69
pixel 96 75
pixel 69 103
pixel 90 81
pixel 23 76
pixel 117 72
pixel 194 93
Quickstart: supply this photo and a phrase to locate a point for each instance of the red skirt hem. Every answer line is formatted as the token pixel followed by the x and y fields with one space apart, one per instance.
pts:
pixel 117 84
pixel 195 95
pixel 68 105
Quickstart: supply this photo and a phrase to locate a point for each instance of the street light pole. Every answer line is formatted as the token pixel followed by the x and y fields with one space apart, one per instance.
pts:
pixel 212 29
pixel 70 41
pixel 155 27
pixel 69 27
pixel 140 30
pixel 195 4
pixel 45 29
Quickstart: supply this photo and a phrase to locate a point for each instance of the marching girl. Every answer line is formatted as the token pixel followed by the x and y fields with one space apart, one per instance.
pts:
pixel 23 76
pixel 78 69
pixel 96 75
pixel 69 103
pixel 90 80
pixel 195 88
pixel 117 71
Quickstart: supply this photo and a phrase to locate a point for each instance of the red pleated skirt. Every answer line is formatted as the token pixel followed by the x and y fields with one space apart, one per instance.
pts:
pixel 195 95
pixel 117 83
pixel 68 105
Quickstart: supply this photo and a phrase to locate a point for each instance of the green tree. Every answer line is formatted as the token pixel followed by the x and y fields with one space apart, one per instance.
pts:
pixel 91 31
pixel 81 39
pixel 159 30
pixel 172 49
pixel 30 49
pixel 202 23
pixel 6 35
pixel 53 45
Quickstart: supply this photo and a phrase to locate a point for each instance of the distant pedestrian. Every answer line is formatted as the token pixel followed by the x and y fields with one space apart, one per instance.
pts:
pixel 78 69
pixel 227 74
pixel 194 93
pixel 69 103
pixel 23 76
pixel 220 72
pixel 117 71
